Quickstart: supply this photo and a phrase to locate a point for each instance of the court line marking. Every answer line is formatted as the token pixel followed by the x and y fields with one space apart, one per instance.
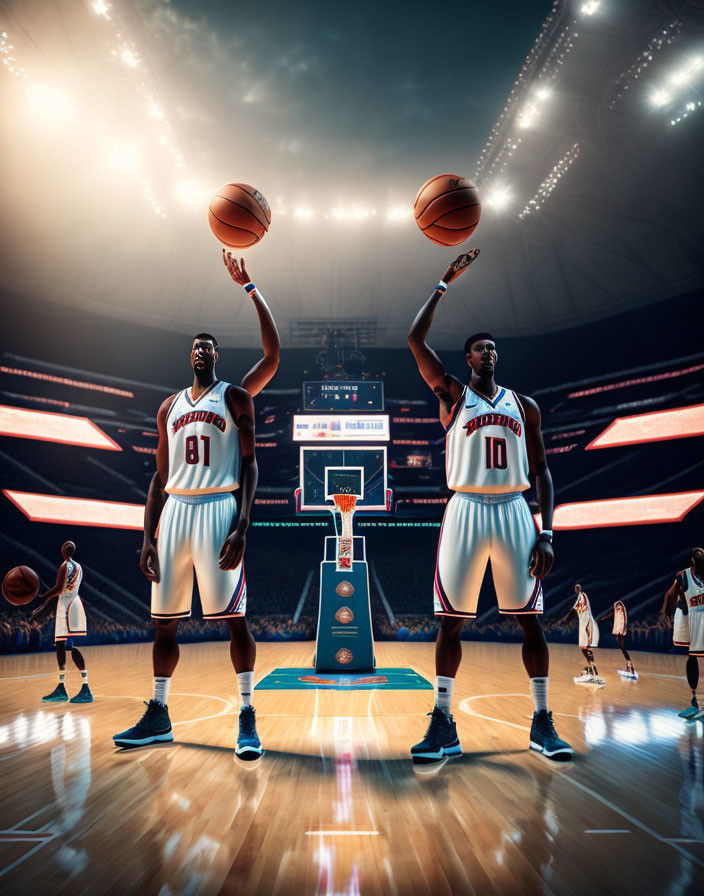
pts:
pixel 609 831
pixel 229 708
pixel 342 833
pixel 683 840
pixel 20 677
pixel 583 787
pixel 27 855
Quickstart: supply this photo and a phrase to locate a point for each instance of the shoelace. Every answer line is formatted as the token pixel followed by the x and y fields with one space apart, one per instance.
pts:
pixel 247 722
pixel 548 725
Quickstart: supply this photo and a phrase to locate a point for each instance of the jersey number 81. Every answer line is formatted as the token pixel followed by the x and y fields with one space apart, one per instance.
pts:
pixel 192 454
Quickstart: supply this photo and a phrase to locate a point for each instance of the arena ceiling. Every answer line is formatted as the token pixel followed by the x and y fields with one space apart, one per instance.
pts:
pixel 582 124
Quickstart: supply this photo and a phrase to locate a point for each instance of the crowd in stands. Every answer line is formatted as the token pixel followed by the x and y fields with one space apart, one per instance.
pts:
pixel 19 634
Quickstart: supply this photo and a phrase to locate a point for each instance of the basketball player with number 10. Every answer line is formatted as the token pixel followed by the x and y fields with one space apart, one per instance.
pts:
pixel 494 450
pixel 205 453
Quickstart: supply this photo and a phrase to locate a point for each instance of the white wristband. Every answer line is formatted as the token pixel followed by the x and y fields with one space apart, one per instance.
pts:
pixel 546 532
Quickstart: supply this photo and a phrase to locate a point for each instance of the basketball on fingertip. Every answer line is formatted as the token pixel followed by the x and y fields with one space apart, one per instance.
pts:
pixel 239 215
pixel 447 209
pixel 20 586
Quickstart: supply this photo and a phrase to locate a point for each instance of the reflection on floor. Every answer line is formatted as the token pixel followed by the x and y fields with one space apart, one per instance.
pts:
pixel 334 806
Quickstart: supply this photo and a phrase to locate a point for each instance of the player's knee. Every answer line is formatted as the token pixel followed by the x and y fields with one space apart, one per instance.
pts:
pixel 530 623
pixel 451 626
pixel 166 628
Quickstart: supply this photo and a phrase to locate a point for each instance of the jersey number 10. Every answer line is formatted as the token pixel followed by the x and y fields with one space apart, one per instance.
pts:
pixel 495 453
pixel 192 455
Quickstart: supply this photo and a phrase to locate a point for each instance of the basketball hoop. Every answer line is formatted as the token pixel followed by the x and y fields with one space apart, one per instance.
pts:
pixel 345 503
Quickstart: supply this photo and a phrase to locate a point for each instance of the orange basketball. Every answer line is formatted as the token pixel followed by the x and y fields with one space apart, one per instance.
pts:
pixel 447 209
pixel 239 215
pixel 20 586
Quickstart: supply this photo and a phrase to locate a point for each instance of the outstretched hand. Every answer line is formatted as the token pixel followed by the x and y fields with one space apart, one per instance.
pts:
pixel 238 272
pixel 460 264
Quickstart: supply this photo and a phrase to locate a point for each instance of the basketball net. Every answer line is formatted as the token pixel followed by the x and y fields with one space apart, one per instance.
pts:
pixel 346 505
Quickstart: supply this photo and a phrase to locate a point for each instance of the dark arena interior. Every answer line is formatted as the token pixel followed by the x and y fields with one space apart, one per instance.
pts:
pixel 581 125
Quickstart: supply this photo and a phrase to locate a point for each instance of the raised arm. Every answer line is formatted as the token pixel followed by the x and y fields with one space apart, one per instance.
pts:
pixel 156 497
pixel 431 368
pixel 242 410
pixel 255 380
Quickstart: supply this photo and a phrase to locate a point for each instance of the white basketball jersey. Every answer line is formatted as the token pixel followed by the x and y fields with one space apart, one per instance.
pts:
pixel 584 611
pixel 74 575
pixel 485 446
pixel 692 588
pixel 204 445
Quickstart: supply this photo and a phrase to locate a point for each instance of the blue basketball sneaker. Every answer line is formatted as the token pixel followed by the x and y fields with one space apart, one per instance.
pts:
pixel 440 740
pixel 84 695
pixel 153 727
pixel 58 695
pixel 248 744
pixel 689 713
pixel 544 739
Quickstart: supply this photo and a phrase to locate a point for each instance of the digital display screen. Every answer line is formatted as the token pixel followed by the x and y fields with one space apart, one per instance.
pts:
pixel 334 428
pixel 343 395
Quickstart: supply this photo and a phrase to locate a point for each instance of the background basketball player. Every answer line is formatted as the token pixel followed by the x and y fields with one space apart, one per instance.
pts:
pixel 494 450
pixel 588 637
pixel 70 622
pixel 619 631
pixel 205 452
pixel 683 609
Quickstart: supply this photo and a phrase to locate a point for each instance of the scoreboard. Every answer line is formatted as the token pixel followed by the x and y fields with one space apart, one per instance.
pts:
pixel 343 395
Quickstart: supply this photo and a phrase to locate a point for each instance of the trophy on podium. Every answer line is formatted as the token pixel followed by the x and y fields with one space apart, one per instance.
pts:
pixel 344 640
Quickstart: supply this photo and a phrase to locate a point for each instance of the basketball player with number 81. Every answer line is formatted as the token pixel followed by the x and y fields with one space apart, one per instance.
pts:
pixel 494 449
pixel 206 451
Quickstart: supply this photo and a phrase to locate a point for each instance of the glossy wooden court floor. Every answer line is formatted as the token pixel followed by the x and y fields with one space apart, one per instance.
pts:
pixel 334 805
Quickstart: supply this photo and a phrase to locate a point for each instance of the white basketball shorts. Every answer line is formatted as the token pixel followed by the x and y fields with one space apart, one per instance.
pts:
pixel 478 528
pixel 70 618
pixel 696 631
pixel 680 629
pixel 191 533
pixel 620 619
pixel 588 631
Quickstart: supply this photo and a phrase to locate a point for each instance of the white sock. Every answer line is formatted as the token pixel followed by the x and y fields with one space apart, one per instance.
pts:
pixel 161 689
pixel 62 676
pixel 245 683
pixel 84 676
pixel 443 693
pixel 539 692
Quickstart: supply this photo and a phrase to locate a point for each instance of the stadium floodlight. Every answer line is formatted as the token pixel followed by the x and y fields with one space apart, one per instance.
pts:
pixel 101 8
pixel 155 109
pixel 498 198
pixel 355 213
pixel 543 93
pixel 660 98
pixel 684 75
pixel 303 213
pixel 397 214
pixel 590 7
pixel 128 57
pixel 527 116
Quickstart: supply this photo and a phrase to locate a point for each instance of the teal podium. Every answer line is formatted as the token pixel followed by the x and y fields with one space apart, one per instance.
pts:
pixel 344 641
